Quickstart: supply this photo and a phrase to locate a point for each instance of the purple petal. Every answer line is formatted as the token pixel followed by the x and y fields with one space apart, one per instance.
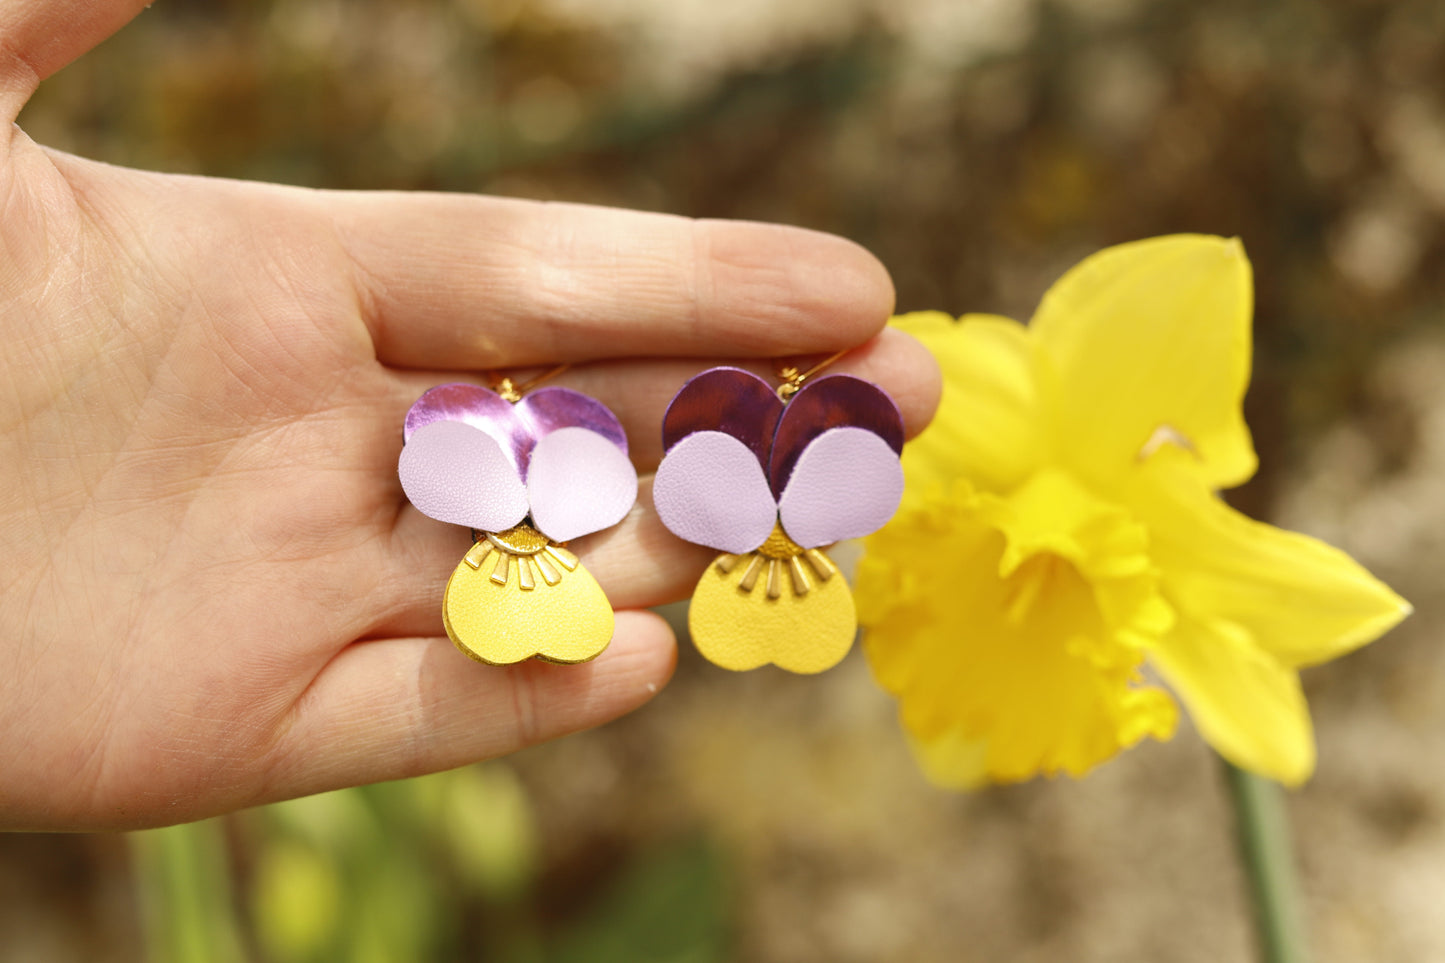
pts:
pixel 476 406
pixel 711 490
pixel 515 427
pixel 456 473
pixel 730 400
pixel 845 484
pixel 836 401
pixel 547 409
pixel 579 482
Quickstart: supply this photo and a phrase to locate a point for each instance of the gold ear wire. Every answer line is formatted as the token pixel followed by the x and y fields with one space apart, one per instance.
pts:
pixel 513 393
pixel 793 378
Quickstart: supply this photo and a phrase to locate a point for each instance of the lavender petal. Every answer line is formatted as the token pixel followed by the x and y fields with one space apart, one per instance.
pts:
pixel 847 483
pixel 579 483
pixel 710 489
pixel 457 473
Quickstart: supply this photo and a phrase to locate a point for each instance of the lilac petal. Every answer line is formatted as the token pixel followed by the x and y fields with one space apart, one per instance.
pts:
pixel 845 484
pixel 579 482
pixel 711 490
pixel 476 406
pixel 730 400
pixel 547 409
pixel 836 401
pixel 456 473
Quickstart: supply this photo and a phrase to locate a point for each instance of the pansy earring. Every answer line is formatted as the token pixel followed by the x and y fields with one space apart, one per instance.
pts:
pixel 525 472
pixel 769 478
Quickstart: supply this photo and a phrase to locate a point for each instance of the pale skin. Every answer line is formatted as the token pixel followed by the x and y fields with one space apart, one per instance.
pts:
pixel 213 593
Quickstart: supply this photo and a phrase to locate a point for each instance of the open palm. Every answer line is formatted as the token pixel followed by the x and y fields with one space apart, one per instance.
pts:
pixel 213 592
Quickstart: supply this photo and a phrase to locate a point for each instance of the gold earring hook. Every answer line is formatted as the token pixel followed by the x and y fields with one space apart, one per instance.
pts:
pixel 793 377
pixel 514 392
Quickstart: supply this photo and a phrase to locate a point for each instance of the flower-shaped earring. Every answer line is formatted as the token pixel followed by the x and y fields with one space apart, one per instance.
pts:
pixel 525 473
pixel 769 478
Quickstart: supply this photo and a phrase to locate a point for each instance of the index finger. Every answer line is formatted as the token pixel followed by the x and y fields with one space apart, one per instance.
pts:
pixel 461 281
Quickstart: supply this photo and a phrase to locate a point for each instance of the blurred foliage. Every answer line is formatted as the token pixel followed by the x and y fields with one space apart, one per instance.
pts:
pixel 353 875
pixel 185 894
pixel 442 867
pixel 670 907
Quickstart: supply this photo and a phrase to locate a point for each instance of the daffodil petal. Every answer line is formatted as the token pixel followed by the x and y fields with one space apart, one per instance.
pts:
pixel 1146 342
pixel 1247 705
pixel 1302 601
pixel 952 760
pixel 987 428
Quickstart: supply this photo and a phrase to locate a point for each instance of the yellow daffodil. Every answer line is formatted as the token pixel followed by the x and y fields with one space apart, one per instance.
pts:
pixel 1061 542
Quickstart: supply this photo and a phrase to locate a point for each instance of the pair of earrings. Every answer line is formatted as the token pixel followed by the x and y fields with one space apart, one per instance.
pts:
pixel 768 477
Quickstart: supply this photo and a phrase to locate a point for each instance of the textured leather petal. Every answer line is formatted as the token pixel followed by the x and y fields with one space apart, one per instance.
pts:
pixel 456 473
pixel 579 482
pixel 569 621
pixel 846 484
pixel 741 630
pixel 711 490
pixel 836 401
pixel 729 400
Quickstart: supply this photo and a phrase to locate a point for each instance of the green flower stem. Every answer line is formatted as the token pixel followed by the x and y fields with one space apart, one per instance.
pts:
pixel 1264 841
pixel 183 875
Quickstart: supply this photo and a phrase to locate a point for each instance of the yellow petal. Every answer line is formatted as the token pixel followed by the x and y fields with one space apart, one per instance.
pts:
pixel 1005 659
pixel 1246 704
pixel 1300 600
pixel 771 621
pixel 952 760
pixel 1145 341
pixel 491 618
pixel 987 428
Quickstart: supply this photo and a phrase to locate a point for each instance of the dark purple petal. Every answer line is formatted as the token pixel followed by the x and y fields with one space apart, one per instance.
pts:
pixel 545 410
pixel 836 401
pixel 729 400
pixel 476 406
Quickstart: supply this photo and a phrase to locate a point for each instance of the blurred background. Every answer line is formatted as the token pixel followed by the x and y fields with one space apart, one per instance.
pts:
pixel 979 147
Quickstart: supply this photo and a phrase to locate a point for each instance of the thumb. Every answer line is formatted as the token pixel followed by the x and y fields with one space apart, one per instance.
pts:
pixel 38 37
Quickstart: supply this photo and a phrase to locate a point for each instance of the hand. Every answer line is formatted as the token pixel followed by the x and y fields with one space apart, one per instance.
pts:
pixel 213 593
